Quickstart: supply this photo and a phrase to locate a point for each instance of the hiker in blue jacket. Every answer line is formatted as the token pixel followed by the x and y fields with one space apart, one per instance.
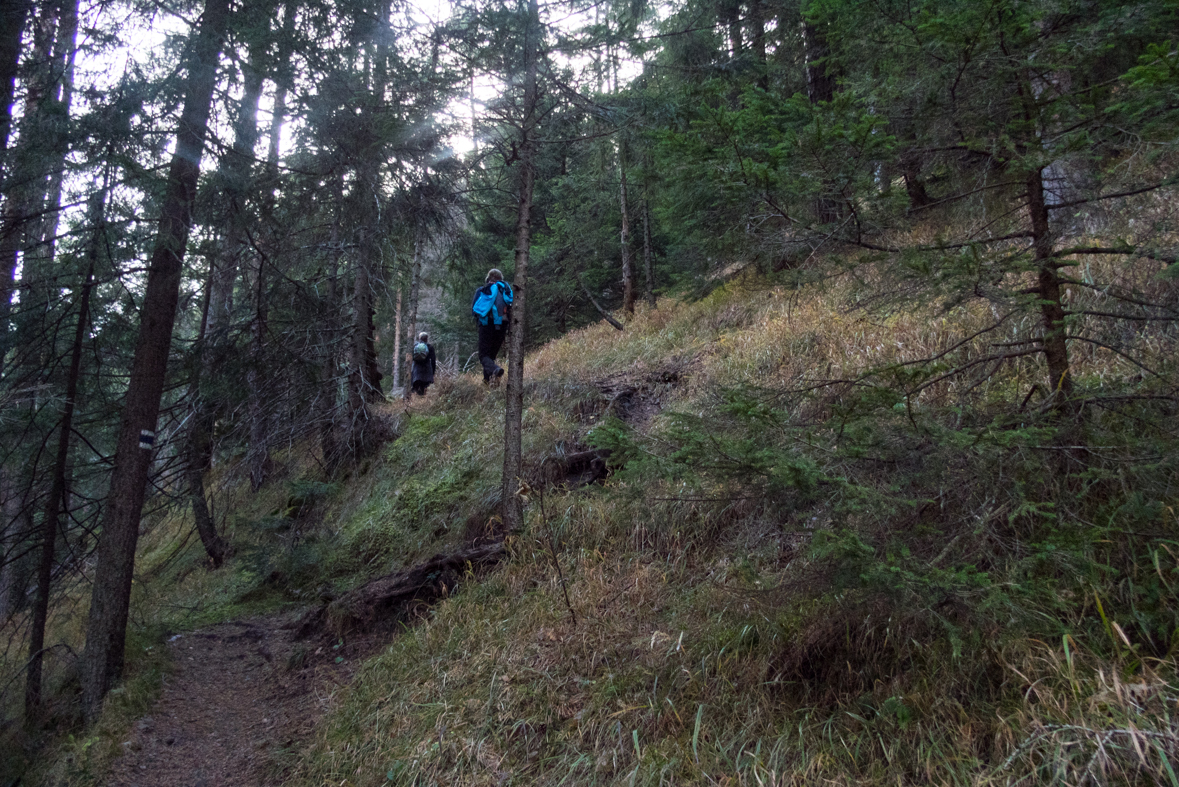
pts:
pixel 425 364
pixel 492 308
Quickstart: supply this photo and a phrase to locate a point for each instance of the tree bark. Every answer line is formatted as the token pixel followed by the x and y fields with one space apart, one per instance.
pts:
pixel 198 449
pixel 329 387
pixel 397 328
pixel 360 382
pixel 1055 341
pixel 628 266
pixel 60 99
pixel 258 453
pixel 58 490
pixel 820 88
pixel 110 598
pixel 411 321
pixel 820 81
pixel 512 508
pixel 648 255
pixel 758 24
pixel 24 181
pixel 235 171
pixel 12 25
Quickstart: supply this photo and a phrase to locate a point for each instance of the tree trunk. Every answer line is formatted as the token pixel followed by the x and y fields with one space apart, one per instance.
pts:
pixel 396 370
pixel 235 171
pixel 59 488
pixel 758 24
pixel 258 452
pixel 12 25
pixel 12 22
pixel 1055 342
pixel 411 321
pixel 628 266
pixel 820 81
pixel 24 181
pixel 329 385
pixel 820 88
pixel 359 380
pixel 512 508
pixel 198 451
pixel 111 595
pixel 10 507
pixel 1052 312
pixel 60 100
pixel 648 255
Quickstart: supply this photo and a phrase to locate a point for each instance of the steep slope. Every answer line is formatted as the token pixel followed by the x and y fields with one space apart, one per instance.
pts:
pixel 750 557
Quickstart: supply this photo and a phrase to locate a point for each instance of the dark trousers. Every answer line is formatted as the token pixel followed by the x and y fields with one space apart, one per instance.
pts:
pixel 490 340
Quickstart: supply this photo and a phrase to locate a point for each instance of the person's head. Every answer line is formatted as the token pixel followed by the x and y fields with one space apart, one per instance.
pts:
pixel 494 275
pixel 423 337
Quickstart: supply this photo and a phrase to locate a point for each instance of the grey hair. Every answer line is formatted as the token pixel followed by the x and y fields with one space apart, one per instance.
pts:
pixel 495 274
pixel 423 337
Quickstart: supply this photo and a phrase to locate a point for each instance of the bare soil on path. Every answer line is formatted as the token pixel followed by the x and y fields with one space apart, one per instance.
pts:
pixel 241 698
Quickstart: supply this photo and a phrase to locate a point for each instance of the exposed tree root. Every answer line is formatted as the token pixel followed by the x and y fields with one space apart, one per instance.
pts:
pixel 385 601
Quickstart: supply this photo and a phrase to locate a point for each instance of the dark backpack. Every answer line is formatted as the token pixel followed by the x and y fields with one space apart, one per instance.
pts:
pixel 421 351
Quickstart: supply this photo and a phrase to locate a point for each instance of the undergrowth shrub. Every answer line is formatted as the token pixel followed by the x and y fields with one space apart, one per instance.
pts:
pixel 915 527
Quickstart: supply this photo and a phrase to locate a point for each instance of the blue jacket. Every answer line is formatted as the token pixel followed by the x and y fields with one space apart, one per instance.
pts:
pixel 493 304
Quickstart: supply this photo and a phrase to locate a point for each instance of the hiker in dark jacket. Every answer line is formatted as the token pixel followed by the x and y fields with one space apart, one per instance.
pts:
pixel 492 308
pixel 422 374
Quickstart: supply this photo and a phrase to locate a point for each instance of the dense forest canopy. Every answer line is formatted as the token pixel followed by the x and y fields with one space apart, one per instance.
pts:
pixel 224 242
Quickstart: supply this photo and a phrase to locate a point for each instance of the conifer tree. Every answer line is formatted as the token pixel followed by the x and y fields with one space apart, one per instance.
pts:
pixel 106 630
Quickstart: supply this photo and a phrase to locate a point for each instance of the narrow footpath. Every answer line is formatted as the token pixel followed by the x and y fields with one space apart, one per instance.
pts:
pixel 240 700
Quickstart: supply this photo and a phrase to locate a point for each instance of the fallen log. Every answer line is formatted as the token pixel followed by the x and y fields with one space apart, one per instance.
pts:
pixel 598 306
pixel 385 601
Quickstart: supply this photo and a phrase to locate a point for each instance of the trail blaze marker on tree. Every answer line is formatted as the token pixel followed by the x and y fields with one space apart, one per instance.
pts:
pixel 146 439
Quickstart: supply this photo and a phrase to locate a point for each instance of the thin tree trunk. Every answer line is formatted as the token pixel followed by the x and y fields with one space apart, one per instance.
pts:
pixel 23 181
pixel 358 362
pixel 111 595
pixel 411 322
pixel 1055 342
pixel 58 489
pixel 648 255
pixel 1052 312
pixel 61 96
pixel 329 387
pixel 258 452
pixel 12 25
pixel 820 88
pixel 757 21
pixel 199 444
pixel 512 508
pixel 820 81
pixel 9 515
pixel 628 266
pixel 396 370
pixel 235 170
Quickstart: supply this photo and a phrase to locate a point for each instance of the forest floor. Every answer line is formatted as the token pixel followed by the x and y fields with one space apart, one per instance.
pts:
pixel 240 699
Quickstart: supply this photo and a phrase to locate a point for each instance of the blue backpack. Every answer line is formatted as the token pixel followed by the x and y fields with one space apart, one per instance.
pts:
pixel 491 303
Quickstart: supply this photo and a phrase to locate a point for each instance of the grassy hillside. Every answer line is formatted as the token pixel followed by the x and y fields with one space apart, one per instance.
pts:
pixel 814 561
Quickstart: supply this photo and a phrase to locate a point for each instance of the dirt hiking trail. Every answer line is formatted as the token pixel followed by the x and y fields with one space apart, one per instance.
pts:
pixel 240 698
